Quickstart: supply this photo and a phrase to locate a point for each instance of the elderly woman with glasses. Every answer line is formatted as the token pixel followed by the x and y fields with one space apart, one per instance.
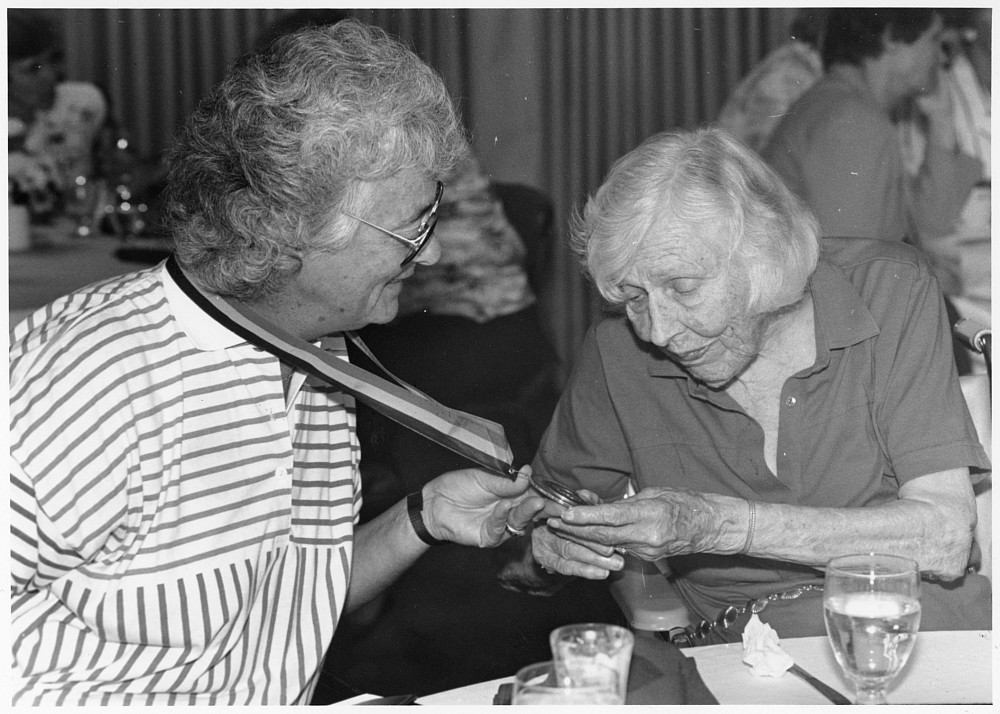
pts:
pixel 184 508
pixel 773 400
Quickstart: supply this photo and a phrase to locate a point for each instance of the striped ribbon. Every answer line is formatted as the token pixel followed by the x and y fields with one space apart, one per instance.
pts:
pixel 473 437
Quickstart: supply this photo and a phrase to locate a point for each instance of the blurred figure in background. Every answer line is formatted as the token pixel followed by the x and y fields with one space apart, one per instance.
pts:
pixel 964 86
pixel 964 79
pixel 838 147
pixel 34 64
pixel 53 125
pixel 763 97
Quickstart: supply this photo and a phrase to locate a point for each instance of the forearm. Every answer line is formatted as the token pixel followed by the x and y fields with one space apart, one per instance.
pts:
pixel 469 507
pixel 937 535
pixel 812 536
pixel 383 549
pixel 932 521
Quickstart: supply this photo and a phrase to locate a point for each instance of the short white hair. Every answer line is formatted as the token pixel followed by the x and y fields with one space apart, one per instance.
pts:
pixel 695 179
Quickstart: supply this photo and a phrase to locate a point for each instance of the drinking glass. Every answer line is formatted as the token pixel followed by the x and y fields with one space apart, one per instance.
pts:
pixel 540 684
pixel 579 648
pixel 871 604
pixel 84 205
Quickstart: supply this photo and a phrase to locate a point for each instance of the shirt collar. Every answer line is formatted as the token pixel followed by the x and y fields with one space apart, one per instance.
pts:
pixel 204 331
pixel 842 318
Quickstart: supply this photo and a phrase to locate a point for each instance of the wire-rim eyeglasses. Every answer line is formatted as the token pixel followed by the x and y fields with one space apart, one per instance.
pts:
pixel 423 236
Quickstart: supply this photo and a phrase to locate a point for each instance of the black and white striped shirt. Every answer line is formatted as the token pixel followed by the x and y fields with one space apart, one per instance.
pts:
pixel 179 534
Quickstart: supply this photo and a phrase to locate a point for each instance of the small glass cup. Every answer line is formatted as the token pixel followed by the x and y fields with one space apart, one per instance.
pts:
pixel 591 646
pixel 84 205
pixel 539 684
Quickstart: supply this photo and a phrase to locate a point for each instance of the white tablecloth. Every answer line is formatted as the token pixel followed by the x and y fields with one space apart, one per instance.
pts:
pixel 945 668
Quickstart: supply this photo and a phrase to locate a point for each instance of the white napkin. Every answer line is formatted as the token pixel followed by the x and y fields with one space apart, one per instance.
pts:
pixel 762 651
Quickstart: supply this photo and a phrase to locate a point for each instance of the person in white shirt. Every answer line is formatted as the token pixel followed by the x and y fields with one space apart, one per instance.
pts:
pixel 184 505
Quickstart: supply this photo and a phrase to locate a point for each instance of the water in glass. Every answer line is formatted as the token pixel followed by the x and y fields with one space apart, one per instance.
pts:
pixel 872 611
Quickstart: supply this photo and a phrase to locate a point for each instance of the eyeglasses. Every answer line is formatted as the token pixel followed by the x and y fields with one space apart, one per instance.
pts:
pixel 423 235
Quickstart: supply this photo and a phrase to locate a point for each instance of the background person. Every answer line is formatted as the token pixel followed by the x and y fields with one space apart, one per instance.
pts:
pixel 965 79
pixel 763 97
pixel 53 126
pixel 839 150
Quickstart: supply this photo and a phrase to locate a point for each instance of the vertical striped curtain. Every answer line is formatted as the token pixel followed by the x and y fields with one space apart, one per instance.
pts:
pixel 154 65
pixel 551 97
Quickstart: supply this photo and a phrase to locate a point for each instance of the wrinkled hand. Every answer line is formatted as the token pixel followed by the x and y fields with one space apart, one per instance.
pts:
pixel 521 571
pixel 560 552
pixel 472 507
pixel 653 524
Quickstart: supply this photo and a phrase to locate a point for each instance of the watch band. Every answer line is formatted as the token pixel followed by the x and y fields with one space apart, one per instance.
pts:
pixel 414 509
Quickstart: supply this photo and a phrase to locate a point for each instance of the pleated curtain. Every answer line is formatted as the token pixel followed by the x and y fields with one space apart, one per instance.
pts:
pixel 551 97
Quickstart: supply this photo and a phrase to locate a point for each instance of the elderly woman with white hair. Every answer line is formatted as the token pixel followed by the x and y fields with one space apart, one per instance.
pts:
pixel 774 399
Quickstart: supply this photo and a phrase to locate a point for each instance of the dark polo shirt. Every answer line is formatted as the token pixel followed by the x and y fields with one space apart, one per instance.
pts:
pixel 881 405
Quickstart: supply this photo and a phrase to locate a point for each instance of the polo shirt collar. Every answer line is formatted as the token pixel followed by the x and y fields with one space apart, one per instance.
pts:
pixel 200 327
pixel 842 318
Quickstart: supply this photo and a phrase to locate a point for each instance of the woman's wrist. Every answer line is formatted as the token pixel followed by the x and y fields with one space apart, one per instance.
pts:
pixel 728 519
pixel 416 511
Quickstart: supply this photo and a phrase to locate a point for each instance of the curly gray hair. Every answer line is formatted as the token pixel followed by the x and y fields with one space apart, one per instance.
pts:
pixel 698 179
pixel 267 163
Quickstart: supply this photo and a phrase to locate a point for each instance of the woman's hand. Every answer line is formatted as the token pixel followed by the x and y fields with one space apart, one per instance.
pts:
pixel 473 507
pixel 653 524
pixel 559 552
pixel 540 564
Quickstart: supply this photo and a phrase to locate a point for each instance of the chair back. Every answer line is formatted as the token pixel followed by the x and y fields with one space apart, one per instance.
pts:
pixel 976 389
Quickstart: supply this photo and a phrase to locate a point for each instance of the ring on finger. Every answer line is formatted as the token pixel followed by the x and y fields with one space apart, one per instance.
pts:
pixel 516 532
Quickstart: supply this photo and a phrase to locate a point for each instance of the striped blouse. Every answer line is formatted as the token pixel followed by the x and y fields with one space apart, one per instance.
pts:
pixel 179 533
